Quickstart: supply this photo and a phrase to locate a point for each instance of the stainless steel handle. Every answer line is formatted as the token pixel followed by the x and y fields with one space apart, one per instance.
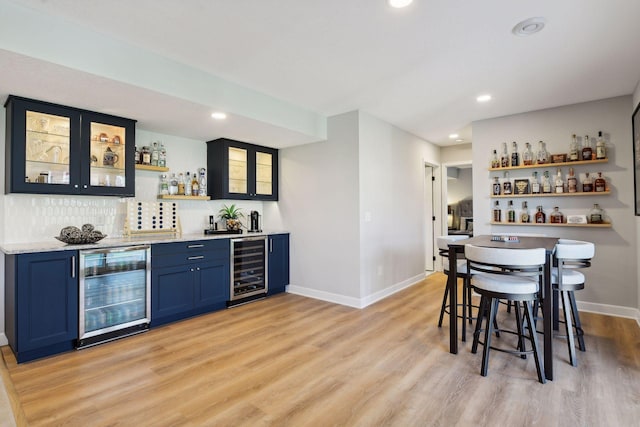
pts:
pixel 270 245
pixel 197 268
pixel 73 267
pixel 195 246
pixel 75 186
pixel 196 257
pixel 191 269
pixel 84 186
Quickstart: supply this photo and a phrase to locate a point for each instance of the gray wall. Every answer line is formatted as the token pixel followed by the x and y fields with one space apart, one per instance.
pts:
pixel 612 280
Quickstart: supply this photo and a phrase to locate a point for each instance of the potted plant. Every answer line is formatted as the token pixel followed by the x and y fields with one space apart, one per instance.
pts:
pixel 231 214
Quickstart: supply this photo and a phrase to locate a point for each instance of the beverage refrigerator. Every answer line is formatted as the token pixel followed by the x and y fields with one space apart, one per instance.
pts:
pixel 115 293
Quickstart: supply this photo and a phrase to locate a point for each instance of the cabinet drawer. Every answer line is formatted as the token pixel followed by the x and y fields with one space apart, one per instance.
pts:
pixel 190 246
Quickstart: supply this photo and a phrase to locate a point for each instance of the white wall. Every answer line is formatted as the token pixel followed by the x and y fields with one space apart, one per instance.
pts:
pixel 392 214
pixel 607 283
pixel 319 204
pixel 636 101
pixel 461 187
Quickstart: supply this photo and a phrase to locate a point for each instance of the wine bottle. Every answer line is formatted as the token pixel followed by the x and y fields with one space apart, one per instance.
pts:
pixel 511 213
pixel 504 159
pixel 587 184
pixel 586 148
pixel 572 182
pixel 559 183
pixel 540 217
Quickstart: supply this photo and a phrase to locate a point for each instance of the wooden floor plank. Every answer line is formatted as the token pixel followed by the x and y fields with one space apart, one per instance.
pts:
pixel 294 361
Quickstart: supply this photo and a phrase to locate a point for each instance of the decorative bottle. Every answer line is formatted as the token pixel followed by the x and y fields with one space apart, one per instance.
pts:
pixel 601 148
pixel 600 184
pixel 506 185
pixel 187 184
pixel 497 212
pixel 542 156
pixel 559 183
pixel 586 148
pixel 164 185
pixel 527 155
pixel 572 182
pixel 573 149
pixel 556 216
pixel 511 213
pixel 546 183
pixel 524 214
pixel 587 184
pixel 535 184
pixel 180 184
pixel 195 186
pixel 540 217
pixel 155 154
pixel 173 185
pixel 495 162
pixel 136 156
pixel 496 187
pixel 202 173
pixel 162 156
pixel 596 215
pixel 504 158
pixel 515 157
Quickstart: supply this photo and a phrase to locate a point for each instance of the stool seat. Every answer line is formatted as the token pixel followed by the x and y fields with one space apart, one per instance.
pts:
pixel 505 284
pixel 569 277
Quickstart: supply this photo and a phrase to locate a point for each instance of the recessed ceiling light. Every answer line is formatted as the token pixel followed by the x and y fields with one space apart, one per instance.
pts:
pixel 529 26
pixel 453 136
pixel 484 98
pixel 399 3
pixel 219 116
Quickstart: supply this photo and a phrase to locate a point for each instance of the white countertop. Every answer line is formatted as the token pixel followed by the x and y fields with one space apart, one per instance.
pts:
pixel 53 245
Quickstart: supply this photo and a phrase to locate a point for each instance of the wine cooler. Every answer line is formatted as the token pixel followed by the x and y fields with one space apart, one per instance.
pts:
pixel 248 270
pixel 114 293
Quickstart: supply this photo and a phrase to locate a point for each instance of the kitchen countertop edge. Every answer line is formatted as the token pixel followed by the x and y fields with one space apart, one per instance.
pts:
pixel 54 245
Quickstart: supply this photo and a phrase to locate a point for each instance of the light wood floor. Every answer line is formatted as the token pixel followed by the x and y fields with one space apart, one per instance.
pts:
pixel 295 361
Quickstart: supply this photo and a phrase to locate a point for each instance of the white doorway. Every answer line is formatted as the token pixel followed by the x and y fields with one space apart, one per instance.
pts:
pixel 430 218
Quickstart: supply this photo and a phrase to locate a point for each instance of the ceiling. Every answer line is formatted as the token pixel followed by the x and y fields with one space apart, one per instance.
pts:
pixel 418 68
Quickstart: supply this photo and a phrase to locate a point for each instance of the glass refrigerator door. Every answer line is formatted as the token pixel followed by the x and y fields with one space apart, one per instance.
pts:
pixel 47 148
pixel 114 291
pixel 107 155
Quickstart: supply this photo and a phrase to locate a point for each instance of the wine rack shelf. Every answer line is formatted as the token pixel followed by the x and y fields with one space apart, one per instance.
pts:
pixel 152 168
pixel 531 196
pixel 550 165
pixel 548 224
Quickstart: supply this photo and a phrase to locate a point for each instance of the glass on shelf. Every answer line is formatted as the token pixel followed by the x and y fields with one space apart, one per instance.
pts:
pixel 264 173
pixel 238 178
pixel 47 148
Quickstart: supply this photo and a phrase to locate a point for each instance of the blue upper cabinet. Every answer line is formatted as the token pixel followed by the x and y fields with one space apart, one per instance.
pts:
pixel 241 171
pixel 53 149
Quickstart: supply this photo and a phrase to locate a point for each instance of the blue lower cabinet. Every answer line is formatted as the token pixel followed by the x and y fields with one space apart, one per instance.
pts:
pixel 41 303
pixel 278 263
pixel 198 285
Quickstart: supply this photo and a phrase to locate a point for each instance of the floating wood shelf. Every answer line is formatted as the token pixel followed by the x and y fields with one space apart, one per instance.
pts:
pixel 550 165
pixel 548 224
pixel 531 196
pixel 152 168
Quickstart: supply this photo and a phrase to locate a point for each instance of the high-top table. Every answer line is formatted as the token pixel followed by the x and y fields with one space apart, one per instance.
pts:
pixel 549 245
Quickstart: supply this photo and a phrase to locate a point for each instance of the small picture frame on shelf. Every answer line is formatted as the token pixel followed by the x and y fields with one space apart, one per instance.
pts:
pixel 559 158
pixel 576 219
pixel 521 186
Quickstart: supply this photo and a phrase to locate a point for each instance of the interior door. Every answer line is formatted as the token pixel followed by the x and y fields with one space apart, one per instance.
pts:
pixel 429 218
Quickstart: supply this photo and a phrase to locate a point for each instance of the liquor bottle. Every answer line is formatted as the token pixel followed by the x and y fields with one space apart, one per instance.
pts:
pixel 511 213
pixel 187 184
pixel 535 184
pixel 524 214
pixel 573 149
pixel 136 157
pixel 155 154
pixel 527 155
pixel 587 184
pixel 515 157
pixel 596 215
pixel 202 173
pixel 559 182
pixel 586 148
pixel 546 183
pixel 556 216
pixel 496 187
pixel 145 155
pixel 495 162
pixel 601 148
pixel 195 187
pixel 542 156
pixel 162 156
pixel 504 159
pixel 540 217
pixel 164 185
pixel 180 184
pixel 600 184
pixel 173 185
pixel 572 182
pixel 497 212
pixel 506 185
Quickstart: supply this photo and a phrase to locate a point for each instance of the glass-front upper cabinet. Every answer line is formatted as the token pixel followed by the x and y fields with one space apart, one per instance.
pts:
pixel 53 149
pixel 238 170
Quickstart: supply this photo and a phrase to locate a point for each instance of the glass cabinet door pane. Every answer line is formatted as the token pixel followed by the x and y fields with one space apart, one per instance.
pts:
pixel 47 148
pixel 237 170
pixel 264 173
pixel 107 155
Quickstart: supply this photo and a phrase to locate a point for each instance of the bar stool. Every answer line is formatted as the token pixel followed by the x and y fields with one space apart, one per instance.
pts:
pixel 510 274
pixel 462 272
pixel 571 255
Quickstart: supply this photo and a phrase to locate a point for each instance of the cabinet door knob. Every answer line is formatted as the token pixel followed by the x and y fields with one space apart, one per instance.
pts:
pixel 75 186
pixel 192 269
pixel 84 186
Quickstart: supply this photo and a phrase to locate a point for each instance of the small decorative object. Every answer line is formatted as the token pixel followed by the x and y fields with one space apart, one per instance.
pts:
pixel 507 239
pixel 76 236
pixel 558 158
pixel 231 214
pixel 521 186
pixel 109 158
pixel 576 219
pixel 103 137
pixel 116 139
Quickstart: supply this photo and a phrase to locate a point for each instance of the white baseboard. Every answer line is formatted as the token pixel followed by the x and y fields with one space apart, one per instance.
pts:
pixel 3 339
pixel 352 301
pixel 610 310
